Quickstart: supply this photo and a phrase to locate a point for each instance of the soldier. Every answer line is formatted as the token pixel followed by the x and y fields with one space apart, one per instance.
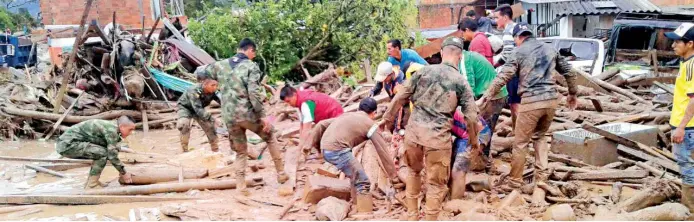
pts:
pixel 435 91
pixel 533 62
pixel 243 110
pixel 97 140
pixel 191 105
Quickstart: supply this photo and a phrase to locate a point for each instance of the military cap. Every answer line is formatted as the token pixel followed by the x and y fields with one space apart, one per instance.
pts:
pixel 454 41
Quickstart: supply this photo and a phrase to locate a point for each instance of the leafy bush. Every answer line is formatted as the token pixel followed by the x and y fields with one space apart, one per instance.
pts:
pixel 294 32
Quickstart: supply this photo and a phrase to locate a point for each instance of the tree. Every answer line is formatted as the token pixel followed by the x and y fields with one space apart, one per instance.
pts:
pixel 292 33
pixel 10 4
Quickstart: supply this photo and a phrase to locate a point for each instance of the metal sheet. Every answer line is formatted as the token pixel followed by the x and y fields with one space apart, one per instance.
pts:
pixel 194 54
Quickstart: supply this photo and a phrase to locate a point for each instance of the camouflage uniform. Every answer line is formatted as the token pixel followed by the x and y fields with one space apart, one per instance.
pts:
pixel 94 140
pixel 435 91
pixel 191 105
pixel 534 63
pixel 242 109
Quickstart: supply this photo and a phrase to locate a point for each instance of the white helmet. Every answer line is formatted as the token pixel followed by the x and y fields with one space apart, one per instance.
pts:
pixel 383 71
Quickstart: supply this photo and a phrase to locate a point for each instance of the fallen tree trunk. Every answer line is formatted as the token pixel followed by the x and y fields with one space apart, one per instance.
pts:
pixel 664 212
pixel 82 199
pixel 108 115
pixel 173 187
pixel 144 176
pixel 654 194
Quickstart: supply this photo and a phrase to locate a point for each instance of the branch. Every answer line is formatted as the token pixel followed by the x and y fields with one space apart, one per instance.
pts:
pixel 9 6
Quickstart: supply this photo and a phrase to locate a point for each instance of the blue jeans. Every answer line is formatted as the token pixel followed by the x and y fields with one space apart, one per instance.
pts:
pixel 683 154
pixel 344 160
pixel 460 155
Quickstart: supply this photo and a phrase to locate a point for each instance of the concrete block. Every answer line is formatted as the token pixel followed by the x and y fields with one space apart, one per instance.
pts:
pixel 320 187
pixel 594 149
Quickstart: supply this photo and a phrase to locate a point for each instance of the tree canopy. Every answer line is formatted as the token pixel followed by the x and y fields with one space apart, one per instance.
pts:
pixel 292 33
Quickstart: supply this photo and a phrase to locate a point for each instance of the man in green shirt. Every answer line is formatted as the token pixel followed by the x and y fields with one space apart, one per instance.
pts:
pixel 480 74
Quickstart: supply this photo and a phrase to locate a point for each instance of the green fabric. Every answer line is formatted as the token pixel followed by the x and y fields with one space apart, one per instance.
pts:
pixel 480 74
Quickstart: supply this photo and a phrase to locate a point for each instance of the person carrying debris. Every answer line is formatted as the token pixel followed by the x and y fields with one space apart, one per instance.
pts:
pixel 435 91
pixel 191 105
pixel 683 110
pixel 97 140
pixel 533 62
pixel 314 107
pixel 337 136
pixel 400 57
pixel 243 110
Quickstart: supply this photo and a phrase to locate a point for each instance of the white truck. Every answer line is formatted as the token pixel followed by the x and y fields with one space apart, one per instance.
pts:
pixel 584 54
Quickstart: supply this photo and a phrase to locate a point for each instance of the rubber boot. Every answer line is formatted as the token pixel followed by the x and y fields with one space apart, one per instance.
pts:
pixel 688 198
pixel 458 185
pixel 93 182
pixel 364 203
pixel 184 142
pixel 214 145
pixel 413 186
pixel 241 186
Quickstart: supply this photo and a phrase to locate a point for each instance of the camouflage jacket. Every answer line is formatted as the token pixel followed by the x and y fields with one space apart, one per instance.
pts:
pixel 239 80
pixel 99 132
pixel 436 91
pixel 533 62
pixel 195 101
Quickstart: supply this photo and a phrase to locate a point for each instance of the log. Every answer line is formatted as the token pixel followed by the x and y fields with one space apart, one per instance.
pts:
pixel 567 200
pixel 24 159
pixel 607 74
pixel 10 209
pixel 664 212
pixel 632 185
pixel 172 187
pixel 610 175
pixel 108 115
pixel 616 192
pixel 71 64
pixel 67 112
pixel 613 88
pixel 83 199
pixel 320 187
pixel 143 176
pixel 64 166
pixel 551 189
pixel 587 105
pixel 653 170
pixel 653 194
pixel 44 170
pixel 565 159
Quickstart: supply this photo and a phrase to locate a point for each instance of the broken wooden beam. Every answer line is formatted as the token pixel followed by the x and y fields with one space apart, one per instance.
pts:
pixel 610 175
pixel 654 194
pixel 670 165
pixel 60 120
pixel 607 74
pixel 44 170
pixel 64 166
pixel 173 187
pixel 319 187
pixel 612 88
pixel 653 170
pixel 148 175
pixel 83 199
pixel 567 160
pixel 25 159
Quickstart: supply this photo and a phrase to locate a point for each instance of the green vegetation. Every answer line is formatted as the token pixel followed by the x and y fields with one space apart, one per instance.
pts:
pixel 291 33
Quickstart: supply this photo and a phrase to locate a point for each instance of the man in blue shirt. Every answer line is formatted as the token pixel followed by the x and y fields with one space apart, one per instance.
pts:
pixel 484 24
pixel 399 57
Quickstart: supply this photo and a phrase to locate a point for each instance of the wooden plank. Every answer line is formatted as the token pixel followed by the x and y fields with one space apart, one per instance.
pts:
pixel 64 166
pixel 583 81
pixel 650 81
pixel 612 174
pixel 44 170
pixel 9 158
pixel 293 158
pixel 596 104
pixel 83 199
pixel 71 64
pixel 612 87
pixel 622 140
pixel 67 112
pixel 567 160
pixel 670 165
pixel 667 89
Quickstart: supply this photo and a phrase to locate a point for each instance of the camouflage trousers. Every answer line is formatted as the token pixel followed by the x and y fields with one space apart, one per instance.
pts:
pixel 438 168
pixel 237 138
pixel 89 151
pixel 185 117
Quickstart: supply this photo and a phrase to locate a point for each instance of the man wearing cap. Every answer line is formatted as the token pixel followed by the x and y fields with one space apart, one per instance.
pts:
pixel 387 77
pixel 436 91
pixel 683 110
pixel 478 40
pixel 399 57
pixel 533 62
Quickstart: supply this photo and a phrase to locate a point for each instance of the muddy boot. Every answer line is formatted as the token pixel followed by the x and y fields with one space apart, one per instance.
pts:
pixel 93 182
pixel 412 205
pixel 364 203
pixel 458 185
pixel 241 186
pixel 688 198
pixel 214 145
pixel 184 142
pixel 412 189
pixel 509 184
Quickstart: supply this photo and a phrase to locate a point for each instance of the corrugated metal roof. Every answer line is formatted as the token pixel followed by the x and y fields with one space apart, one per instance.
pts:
pixel 544 1
pixel 603 7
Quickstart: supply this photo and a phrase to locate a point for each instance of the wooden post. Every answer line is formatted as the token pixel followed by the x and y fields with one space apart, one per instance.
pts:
pixel 67 112
pixel 71 61
pixel 149 36
pixel 173 187
pixel 82 199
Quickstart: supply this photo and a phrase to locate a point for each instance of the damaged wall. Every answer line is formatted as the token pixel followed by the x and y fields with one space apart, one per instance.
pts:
pixel 66 12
